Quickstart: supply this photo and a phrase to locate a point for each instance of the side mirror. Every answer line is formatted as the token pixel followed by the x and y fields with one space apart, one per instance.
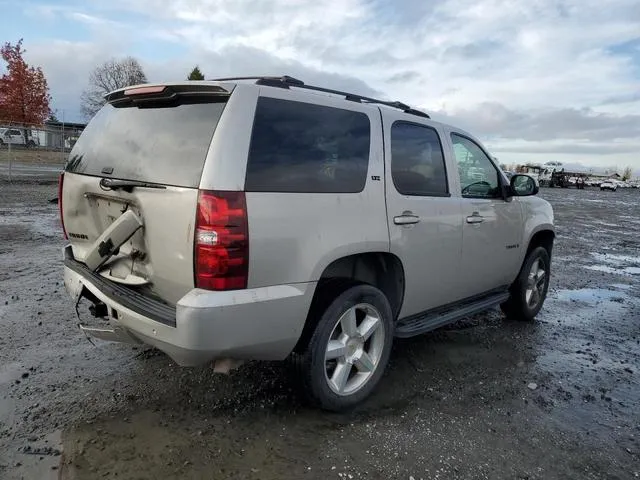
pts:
pixel 523 186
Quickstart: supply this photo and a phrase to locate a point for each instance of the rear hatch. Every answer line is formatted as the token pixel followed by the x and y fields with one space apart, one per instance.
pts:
pixel 130 187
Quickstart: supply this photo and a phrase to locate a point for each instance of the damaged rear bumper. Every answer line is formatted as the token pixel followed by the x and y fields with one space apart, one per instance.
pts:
pixel 260 323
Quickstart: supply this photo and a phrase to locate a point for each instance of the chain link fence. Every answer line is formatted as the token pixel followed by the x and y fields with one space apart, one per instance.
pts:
pixel 35 152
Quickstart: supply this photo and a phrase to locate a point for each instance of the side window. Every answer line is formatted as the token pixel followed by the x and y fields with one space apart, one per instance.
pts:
pixel 478 176
pixel 301 147
pixel 417 161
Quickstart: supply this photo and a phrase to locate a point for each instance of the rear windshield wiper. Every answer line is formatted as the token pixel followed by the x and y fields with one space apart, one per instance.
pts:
pixel 126 185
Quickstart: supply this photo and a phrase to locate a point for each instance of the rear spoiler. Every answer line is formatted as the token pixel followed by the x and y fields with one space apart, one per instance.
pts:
pixel 145 93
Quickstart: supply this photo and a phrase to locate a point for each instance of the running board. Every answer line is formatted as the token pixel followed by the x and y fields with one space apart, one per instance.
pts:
pixel 427 321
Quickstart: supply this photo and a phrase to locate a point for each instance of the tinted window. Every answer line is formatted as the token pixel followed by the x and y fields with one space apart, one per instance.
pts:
pixel 163 144
pixel 301 147
pixel 417 161
pixel 478 176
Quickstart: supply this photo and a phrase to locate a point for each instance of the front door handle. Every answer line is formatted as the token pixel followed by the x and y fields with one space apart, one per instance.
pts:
pixel 475 218
pixel 406 219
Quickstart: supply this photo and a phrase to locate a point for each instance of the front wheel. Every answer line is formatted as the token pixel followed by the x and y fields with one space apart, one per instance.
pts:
pixel 529 290
pixel 349 349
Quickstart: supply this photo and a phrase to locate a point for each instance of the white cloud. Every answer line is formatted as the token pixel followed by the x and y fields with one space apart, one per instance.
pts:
pixel 66 66
pixel 556 72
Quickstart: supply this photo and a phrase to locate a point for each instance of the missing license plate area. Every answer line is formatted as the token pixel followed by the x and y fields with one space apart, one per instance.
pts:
pixel 92 312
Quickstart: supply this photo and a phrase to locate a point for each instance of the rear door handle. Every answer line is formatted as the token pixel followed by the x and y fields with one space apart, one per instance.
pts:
pixel 406 219
pixel 475 218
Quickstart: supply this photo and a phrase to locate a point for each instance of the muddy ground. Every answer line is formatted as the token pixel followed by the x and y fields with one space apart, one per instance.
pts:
pixel 456 403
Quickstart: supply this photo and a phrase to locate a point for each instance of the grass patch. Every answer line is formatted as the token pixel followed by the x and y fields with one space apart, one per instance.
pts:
pixel 34 156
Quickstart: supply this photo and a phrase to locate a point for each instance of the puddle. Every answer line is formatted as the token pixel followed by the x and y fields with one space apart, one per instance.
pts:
pixel 591 296
pixel 614 270
pixel 45 224
pixel 565 258
pixel 615 259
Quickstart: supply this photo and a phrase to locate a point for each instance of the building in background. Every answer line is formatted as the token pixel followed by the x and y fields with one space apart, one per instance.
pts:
pixel 53 135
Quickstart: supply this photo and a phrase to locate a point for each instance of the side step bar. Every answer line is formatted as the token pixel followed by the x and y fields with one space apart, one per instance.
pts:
pixel 427 321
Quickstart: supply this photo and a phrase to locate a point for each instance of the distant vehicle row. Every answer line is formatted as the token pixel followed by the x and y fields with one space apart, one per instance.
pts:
pixel 15 136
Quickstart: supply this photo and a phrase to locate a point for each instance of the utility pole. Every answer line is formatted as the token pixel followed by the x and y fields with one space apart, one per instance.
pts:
pixel 10 161
pixel 62 140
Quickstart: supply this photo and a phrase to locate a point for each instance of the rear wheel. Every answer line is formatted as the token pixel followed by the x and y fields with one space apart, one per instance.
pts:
pixel 349 349
pixel 529 290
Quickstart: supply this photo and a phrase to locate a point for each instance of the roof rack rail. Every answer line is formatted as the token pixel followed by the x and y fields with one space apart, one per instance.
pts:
pixel 286 81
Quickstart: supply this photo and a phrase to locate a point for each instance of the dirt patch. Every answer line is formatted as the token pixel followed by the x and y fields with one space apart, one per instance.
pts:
pixel 486 398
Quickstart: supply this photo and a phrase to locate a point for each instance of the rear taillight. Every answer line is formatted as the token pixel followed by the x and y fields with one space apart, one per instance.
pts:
pixel 221 243
pixel 60 185
pixel 145 90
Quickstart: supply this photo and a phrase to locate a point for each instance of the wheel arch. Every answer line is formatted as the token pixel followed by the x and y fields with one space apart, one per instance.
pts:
pixel 382 270
pixel 542 237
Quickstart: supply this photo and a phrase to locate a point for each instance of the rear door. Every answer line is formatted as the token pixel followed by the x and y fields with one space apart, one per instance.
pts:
pixel 492 225
pixel 158 141
pixel 424 218
pixel 313 185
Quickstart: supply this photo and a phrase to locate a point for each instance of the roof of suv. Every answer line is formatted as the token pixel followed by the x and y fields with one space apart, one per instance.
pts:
pixel 287 82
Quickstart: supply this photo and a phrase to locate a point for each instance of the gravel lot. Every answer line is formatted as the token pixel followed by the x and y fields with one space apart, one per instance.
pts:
pixel 486 398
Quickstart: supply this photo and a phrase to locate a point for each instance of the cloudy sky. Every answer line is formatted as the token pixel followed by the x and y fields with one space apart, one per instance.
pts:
pixel 536 80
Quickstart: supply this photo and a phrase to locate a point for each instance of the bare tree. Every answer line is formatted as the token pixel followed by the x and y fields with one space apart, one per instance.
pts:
pixel 111 75
pixel 628 172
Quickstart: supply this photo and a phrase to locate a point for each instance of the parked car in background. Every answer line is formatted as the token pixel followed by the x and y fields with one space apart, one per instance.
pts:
pixel 609 185
pixel 15 136
pixel 253 219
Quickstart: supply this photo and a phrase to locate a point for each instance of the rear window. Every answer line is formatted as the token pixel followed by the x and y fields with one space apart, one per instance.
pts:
pixel 160 144
pixel 301 147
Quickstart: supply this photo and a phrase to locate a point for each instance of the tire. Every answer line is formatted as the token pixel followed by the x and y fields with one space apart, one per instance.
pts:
pixel 529 290
pixel 343 382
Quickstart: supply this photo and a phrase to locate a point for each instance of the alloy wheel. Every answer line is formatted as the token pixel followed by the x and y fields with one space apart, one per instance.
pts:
pixel 354 349
pixel 535 284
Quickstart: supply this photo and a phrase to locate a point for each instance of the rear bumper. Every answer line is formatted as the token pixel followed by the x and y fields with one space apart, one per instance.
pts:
pixel 258 323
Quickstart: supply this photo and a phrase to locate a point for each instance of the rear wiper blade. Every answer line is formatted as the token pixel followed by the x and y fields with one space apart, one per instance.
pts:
pixel 126 185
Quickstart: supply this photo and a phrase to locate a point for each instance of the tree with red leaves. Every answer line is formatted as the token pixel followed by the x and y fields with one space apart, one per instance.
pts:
pixel 24 93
